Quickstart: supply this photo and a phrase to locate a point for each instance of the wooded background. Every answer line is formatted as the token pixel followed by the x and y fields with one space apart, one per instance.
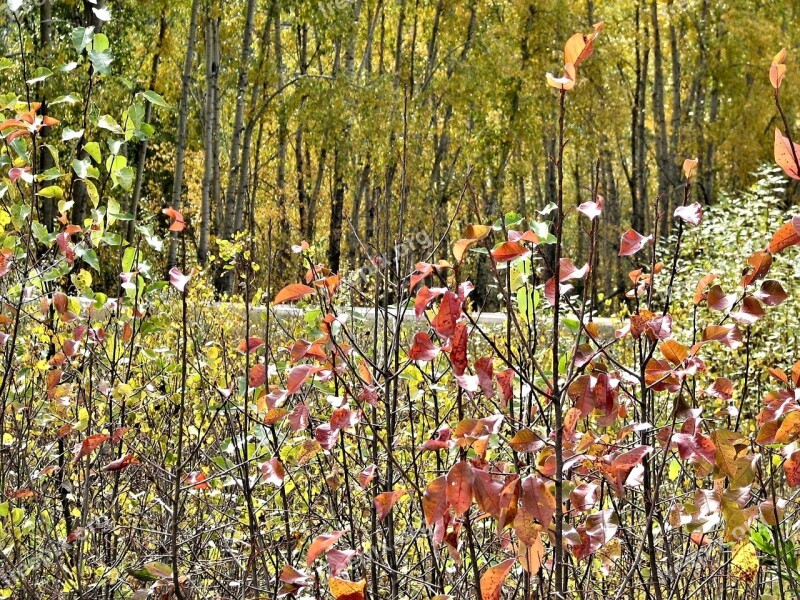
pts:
pixel 324 119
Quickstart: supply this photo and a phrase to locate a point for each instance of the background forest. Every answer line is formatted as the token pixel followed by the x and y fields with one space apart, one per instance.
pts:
pixel 299 116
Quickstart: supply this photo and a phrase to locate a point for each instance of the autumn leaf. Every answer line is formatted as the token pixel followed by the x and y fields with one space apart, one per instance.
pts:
pixel 689 166
pixel 423 349
pixel 90 444
pixel 493 579
pixel 320 544
pixel 459 486
pixel 434 500
pixel 338 560
pixel 692 213
pixel 632 241
pixel 121 463
pixel 777 70
pixel 249 345
pixel 292 292
pixel 178 279
pixel 785 237
pixel 508 251
pixel 385 502
pixel 787 154
pixel 177 222
pixel 744 561
pixel 272 472
pixel 566 82
pixel 343 589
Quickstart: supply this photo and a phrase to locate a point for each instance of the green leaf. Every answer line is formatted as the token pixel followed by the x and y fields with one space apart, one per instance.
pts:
pixel 82 37
pixel 110 123
pixel 5 63
pixel 156 99
pixel 115 163
pixel 101 61
pixel 39 75
pixel 52 191
pixel 71 134
pixel 68 99
pixel 93 150
pixel 100 43
pixel 91 190
pixel 90 258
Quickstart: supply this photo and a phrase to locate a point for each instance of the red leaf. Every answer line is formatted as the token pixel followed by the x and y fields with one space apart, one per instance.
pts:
pixel 458 354
pixel 484 367
pixel 791 467
pixel 197 479
pixel 298 376
pixel 121 463
pixel 592 209
pixel 385 502
pixel 321 544
pixel 749 312
pixel 701 286
pixel 423 349
pixel 444 323
pixel 760 264
pixel 258 375
pixel 459 487
pixel 632 242
pixel 537 502
pixel 338 560
pixel 771 293
pixel 178 279
pixel 424 297
pixel 505 379
pixel 292 292
pixel 298 418
pixel 422 270
pixel 493 579
pixel 366 476
pixel 597 531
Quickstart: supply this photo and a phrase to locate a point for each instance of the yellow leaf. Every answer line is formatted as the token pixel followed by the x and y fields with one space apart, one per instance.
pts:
pixel 744 564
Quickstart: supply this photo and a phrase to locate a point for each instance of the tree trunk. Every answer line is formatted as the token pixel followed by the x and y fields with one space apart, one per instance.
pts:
pixel 183 115
pixel 141 154
pixel 208 142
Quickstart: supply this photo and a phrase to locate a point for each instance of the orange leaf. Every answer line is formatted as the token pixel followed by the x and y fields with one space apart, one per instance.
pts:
pixel 293 292
pixel 792 469
pixel 459 487
pixel 90 444
pixel 343 589
pixel 320 544
pixel 434 500
pixel 785 153
pixel 784 237
pixel 177 222
pixel 508 251
pixel 385 502
pixel 492 580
